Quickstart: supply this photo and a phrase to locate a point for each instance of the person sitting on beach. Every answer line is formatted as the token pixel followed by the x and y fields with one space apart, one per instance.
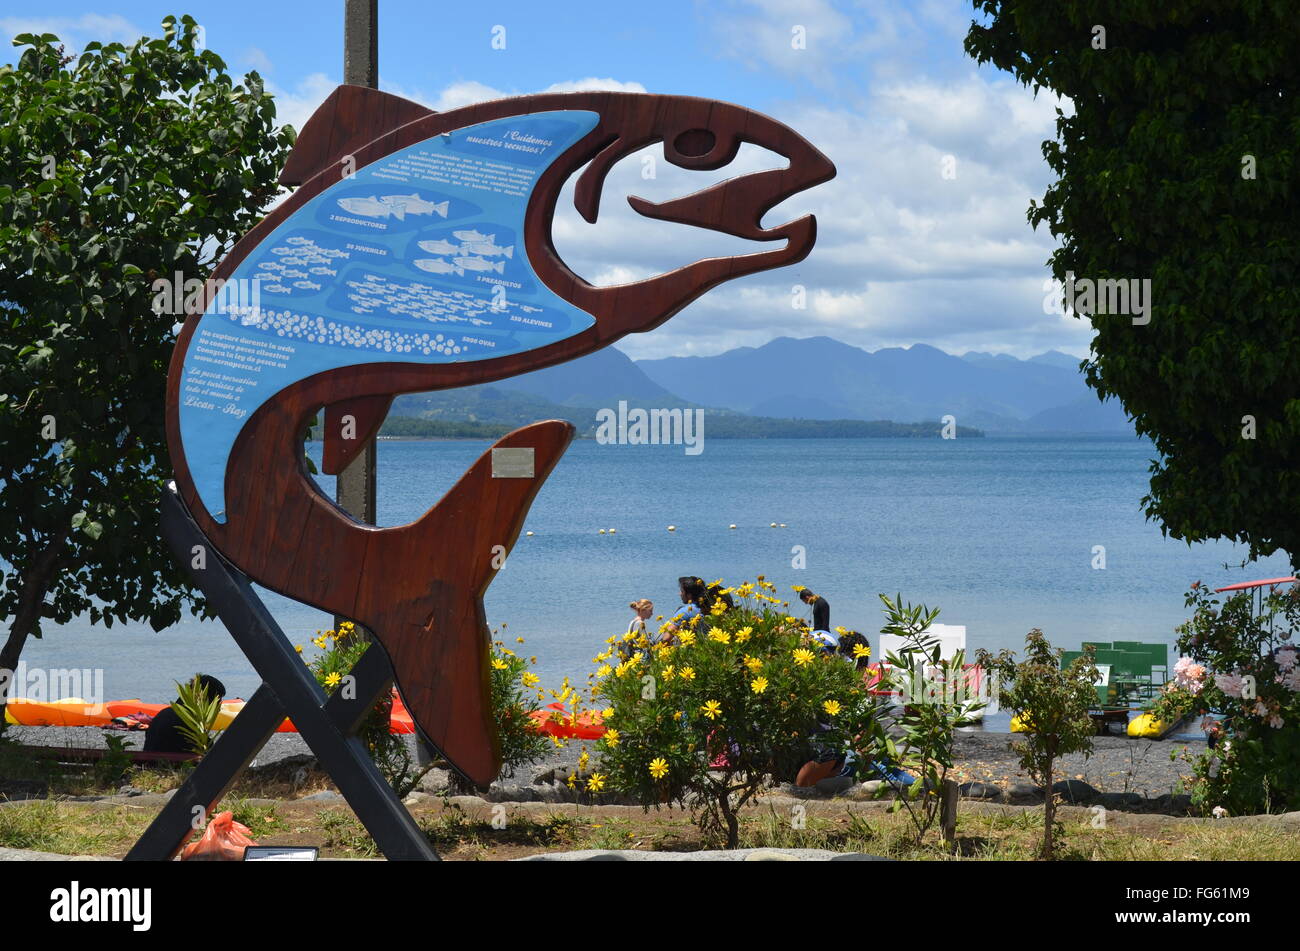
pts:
pixel 164 733
pixel 694 597
pixel 821 610
pixel 856 647
pixel 636 630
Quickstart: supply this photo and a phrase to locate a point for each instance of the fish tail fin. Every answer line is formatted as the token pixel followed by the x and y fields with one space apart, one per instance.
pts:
pixel 510 250
pixel 500 267
pixel 442 208
pixel 439 642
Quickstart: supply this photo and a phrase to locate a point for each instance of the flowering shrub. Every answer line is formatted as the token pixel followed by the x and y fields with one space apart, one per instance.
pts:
pixel 732 703
pixel 515 695
pixel 1242 666
pixel 340 651
pixel 513 684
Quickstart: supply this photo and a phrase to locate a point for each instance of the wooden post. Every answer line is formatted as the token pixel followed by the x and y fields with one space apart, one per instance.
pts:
pixel 355 488
pixel 948 812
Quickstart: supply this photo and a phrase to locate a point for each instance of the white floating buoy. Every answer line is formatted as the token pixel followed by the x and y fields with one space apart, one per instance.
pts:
pixel 602 531
pixel 528 533
pixel 774 524
pixel 672 528
pixel 733 525
pixel 783 524
pixel 613 531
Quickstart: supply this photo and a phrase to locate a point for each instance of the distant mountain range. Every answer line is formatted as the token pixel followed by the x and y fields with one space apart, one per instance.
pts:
pixel 814 378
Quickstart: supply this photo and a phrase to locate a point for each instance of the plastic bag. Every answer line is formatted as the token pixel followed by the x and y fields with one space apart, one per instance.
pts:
pixel 224 840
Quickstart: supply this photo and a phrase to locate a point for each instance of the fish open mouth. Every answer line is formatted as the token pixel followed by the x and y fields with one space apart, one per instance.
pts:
pixel 735 206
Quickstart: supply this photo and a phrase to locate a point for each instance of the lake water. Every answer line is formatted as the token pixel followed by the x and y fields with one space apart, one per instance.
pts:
pixel 998 533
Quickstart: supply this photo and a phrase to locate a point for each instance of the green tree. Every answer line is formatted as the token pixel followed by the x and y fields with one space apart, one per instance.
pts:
pixel 117 167
pixel 1053 703
pixel 1178 165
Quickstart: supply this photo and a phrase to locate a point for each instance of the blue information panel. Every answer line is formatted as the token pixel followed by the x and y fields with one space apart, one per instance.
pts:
pixel 416 258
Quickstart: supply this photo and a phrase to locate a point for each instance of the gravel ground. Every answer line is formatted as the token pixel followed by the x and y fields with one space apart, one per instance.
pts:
pixel 1118 764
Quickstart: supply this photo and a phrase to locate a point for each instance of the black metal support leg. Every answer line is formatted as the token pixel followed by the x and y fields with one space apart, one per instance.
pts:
pixel 327 725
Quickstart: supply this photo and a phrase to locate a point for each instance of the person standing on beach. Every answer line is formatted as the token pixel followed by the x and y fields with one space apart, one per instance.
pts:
pixel 821 610
pixel 636 630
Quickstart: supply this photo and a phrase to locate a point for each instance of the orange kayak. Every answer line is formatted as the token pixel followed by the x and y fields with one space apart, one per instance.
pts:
pixel 555 720
pixel 74 711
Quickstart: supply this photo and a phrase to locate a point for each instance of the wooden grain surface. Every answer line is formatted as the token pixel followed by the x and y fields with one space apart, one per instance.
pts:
pixel 419 587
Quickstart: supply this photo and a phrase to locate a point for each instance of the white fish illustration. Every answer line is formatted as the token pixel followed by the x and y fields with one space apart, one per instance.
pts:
pixel 438 266
pixel 276 288
pixel 294 272
pixel 399 206
pixel 413 204
pixel 474 237
pixel 297 240
pixel 479 264
pixel 488 249
pixel 307 285
pixel 324 270
pixel 282 250
pixel 438 247
pixel 271 266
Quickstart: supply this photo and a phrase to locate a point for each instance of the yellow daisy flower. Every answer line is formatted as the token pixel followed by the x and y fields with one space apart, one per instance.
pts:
pixel 711 709
pixel 596 783
pixel 759 684
pixel 332 680
pixel 611 737
pixel 658 767
pixel 687 673
pixel 719 635
pixel 832 707
pixel 803 656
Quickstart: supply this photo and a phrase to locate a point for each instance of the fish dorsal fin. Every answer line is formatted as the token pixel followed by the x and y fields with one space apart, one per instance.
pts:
pixel 351 118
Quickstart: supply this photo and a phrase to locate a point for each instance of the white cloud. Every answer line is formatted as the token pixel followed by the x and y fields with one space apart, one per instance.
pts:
pixel 904 255
pixel 76 32
pixel 295 106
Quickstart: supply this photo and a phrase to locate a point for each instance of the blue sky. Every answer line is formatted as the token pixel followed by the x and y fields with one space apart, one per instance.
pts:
pixel 905 255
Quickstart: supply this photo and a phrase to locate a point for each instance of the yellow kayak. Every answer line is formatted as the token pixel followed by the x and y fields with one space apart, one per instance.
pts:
pixel 1146 726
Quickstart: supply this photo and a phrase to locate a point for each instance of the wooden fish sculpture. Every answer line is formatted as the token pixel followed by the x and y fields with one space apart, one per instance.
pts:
pixel 416 255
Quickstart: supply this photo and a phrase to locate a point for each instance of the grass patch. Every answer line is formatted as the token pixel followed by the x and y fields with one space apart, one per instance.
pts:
pixel 459 833
pixel 43 825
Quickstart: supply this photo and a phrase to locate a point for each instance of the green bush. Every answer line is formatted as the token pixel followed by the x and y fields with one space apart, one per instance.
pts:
pixel 1054 703
pixel 729 708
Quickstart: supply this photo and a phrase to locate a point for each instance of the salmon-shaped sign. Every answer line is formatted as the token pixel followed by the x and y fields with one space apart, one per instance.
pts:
pixel 416 255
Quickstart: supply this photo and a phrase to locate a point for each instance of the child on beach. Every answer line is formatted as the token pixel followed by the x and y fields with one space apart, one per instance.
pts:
pixel 636 629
